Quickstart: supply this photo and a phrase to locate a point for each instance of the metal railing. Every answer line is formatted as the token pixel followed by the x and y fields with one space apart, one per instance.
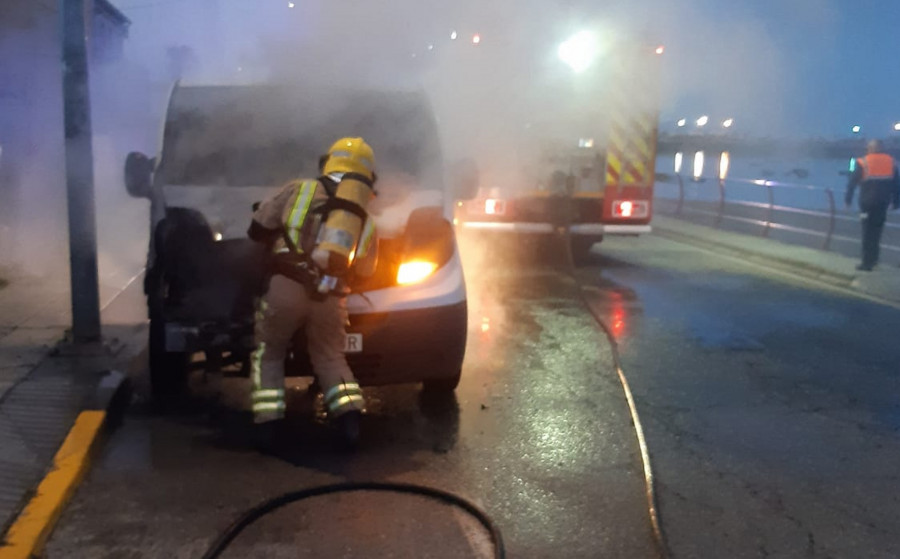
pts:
pixel 724 206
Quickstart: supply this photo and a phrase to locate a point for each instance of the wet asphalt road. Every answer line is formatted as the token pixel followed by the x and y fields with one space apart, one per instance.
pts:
pixel 538 435
pixel 770 408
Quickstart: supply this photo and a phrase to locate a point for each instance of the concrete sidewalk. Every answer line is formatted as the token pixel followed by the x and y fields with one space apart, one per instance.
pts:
pixel 35 314
pixel 882 283
pixel 43 389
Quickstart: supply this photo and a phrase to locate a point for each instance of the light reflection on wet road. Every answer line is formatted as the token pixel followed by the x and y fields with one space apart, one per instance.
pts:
pixel 538 434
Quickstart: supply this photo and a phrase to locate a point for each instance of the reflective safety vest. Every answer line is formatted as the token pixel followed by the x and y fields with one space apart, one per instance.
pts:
pixel 299 211
pixel 876 166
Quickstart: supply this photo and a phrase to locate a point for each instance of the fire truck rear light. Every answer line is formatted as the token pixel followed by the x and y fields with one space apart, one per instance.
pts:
pixel 631 209
pixel 494 207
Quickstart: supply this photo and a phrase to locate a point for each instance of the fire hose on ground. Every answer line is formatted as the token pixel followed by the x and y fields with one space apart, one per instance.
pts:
pixel 249 517
pixel 659 536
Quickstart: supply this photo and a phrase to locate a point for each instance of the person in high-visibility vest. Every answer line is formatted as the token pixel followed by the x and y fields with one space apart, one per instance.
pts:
pixel 298 222
pixel 879 187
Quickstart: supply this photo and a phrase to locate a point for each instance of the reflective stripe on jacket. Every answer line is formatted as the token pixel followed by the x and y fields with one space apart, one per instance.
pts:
pixel 288 211
pixel 365 243
pixel 299 209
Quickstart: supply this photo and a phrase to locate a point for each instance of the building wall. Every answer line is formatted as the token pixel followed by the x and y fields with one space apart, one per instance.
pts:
pixel 32 178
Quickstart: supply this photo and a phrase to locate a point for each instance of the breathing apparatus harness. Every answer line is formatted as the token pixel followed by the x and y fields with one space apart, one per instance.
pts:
pixel 297 264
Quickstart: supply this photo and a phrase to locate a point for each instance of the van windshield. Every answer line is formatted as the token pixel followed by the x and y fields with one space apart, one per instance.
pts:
pixel 267 135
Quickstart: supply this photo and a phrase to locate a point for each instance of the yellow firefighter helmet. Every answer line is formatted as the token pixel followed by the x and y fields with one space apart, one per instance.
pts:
pixel 351 155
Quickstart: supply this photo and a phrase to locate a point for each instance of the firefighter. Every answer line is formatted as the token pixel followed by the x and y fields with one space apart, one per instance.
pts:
pixel 294 224
pixel 879 186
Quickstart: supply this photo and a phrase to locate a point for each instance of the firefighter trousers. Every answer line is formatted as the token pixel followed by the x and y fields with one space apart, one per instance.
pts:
pixel 285 309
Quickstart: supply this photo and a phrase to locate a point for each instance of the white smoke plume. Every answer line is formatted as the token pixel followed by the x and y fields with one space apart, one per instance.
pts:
pixel 498 100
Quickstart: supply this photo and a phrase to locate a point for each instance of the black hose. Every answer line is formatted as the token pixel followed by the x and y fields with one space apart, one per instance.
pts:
pixel 257 512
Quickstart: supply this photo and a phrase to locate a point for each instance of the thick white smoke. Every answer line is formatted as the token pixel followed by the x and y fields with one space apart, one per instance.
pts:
pixel 499 100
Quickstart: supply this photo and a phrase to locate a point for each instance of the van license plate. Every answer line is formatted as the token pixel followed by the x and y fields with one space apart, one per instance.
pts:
pixel 353 343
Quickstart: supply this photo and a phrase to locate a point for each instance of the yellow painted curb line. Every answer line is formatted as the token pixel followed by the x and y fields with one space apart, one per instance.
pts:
pixel 27 536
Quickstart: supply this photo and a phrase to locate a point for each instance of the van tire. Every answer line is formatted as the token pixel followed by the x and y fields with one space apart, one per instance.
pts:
pixel 442 385
pixel 168 369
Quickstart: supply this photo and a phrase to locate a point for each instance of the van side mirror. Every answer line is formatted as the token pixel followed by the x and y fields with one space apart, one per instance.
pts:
pixel 139 174
pixel 464 179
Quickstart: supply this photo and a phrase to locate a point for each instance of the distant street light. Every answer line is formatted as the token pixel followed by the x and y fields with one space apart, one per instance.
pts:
pixel 856 129
pixel 291 4
pixel 702 121
pixel 579 51
pixel 724 164
pixel 729 122
pixel 476 38
pixel 897 127
pixel 681 123
pixel 453 35
pixel 698 164
pixel 660 49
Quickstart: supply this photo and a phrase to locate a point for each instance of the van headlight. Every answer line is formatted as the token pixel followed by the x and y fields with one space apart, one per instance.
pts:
pixel 415 271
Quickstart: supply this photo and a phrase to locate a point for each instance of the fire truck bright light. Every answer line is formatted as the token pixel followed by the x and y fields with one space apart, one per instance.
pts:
pixel 625 209
pixel 579 51
pixel 476 39
pixel 493 207
pixel 415 271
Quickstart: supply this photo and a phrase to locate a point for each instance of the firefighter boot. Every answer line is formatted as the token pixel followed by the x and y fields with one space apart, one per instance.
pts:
pixel 348 426
pixel 267 436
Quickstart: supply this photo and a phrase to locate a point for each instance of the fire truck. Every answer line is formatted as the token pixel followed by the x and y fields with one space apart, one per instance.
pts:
pixel 601 185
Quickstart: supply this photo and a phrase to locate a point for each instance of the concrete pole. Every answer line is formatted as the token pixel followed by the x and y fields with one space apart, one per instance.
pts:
pixel 80 175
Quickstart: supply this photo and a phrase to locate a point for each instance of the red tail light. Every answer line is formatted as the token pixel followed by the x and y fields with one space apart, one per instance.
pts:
pixel 631 209
pixel 494 207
